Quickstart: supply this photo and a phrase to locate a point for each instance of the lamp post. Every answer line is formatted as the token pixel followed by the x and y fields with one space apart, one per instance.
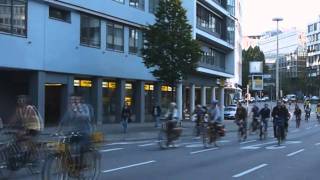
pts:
pixel 277 59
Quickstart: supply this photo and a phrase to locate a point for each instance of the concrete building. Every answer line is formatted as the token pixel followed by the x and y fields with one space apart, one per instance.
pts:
pixel 313 62
pixel 52 48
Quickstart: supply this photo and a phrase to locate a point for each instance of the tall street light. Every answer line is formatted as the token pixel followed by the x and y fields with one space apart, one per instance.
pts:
pixel 277 60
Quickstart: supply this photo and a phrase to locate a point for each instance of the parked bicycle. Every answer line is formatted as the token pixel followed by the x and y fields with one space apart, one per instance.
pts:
pixel 70 158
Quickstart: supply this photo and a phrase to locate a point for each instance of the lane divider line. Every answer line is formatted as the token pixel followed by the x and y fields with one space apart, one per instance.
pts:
pixel 246 142
pixel 294 153
pixel 144 145
pixel 205 150
pixel 250 170
pixel 129 166
pixel 109 150
pixel 317 144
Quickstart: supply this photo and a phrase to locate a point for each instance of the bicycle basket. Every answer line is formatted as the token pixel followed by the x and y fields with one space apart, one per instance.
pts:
pixel 97 137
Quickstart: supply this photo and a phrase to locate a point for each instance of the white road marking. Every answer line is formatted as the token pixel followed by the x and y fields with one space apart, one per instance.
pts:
pixel 109 150
pixel 128 143
pixel 316 125
pixel 195 145
pixel 250 170
pixel 195 138
pixel 144 145
pixel 250 147
pixel 308 128
pixel 317 144
pixel 296 130
pixel 205 150
pixel 294 153
pixel 246 142
pixel 293 142
pixel 129 166
pixel 274 147
pixel 223 141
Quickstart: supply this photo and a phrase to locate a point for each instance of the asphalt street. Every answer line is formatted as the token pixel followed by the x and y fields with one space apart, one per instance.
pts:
pixel 296 159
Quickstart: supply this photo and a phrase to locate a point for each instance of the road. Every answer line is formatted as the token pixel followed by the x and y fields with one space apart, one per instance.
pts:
pixel 297 159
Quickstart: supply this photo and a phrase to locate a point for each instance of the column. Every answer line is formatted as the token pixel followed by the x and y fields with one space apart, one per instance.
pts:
pixel 68 89
pixel 213 97
pixel 37 91
pixel 192 97
pixel 140 101
pixel 120 98
pixel 203 96
pixel 157 93
pixel 179 99
pixel 97 100
pixel 222 102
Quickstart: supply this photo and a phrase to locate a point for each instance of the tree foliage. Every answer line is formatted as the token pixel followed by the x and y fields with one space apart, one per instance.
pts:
pixel 169 50
pixel 251 54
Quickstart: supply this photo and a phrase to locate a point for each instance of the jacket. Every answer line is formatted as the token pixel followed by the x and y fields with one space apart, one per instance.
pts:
pixel 265 113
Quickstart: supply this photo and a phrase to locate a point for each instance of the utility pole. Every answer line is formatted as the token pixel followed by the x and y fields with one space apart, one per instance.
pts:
pixel 277 59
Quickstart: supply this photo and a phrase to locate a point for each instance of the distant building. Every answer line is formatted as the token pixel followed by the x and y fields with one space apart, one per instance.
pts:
pixel 313 62
pixel 292 54
pixel 248 41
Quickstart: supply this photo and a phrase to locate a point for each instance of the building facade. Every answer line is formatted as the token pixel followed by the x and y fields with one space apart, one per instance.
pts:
pixel 52 48
pixel 292 57
pixel 313 62
pixel 248 41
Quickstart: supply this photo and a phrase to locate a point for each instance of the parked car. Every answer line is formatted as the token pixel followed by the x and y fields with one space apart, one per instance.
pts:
pixel 314 100
pixel 230 112
pixel 265 99
pixel 252 100
pixel 291 97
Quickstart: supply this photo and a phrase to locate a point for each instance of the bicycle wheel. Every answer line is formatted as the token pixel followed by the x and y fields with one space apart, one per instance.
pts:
pixel 278 135
pixel 205 138
pixel 90 166
pixel 53 169
pixel 162 139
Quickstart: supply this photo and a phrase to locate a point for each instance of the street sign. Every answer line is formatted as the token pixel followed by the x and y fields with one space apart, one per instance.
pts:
pixel 257 82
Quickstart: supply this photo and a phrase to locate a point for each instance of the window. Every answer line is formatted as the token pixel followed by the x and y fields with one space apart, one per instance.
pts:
pixel 13 14
pixel 120 1
pixel 208 21
pixel 153 5
pixel 115 36
pixel 135 40
pixel 137 4
pixel 90 31
pixel 59 14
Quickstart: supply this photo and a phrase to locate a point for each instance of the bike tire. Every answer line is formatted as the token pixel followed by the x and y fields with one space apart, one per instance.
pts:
pixel 49 166
pixel 162 140
pixel 93 159
pixel 278 135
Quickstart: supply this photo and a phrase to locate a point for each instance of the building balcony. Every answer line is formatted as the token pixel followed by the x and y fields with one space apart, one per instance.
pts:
pixel 212 63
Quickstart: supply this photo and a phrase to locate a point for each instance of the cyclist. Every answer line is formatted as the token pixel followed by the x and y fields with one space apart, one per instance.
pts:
pixel 172 120
pixel 255 116
pixel 297 113
pixel 77 123
pixel 215 119
pixel 199 115
pixel 318 112
pixel 265 115
pixel 280 115
pixel 307 112
pixel 241 116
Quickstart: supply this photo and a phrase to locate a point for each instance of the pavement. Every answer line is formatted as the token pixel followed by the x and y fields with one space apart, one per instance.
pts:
pixel 296 159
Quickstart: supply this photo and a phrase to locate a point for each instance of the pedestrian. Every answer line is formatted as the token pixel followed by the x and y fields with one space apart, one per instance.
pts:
pixel 297 113
pixel 156 113
pixel 126 116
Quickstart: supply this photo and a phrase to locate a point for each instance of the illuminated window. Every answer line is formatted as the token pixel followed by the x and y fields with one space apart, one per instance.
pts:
pixel 148 87
pixel 128 86
pixel 82 83
pixel 109 85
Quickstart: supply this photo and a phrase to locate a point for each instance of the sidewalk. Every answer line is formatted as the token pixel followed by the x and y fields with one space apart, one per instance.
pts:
pixel 143 131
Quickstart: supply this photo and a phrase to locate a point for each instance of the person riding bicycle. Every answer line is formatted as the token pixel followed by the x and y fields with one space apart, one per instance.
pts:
pixel 297 113
pixel 307 112
pixel 265 115
pixel 241 115
pixel 255 117
pixel 215 120
pixel 199 117
pixel 318 111
pixel 280 115
pixel 77 124
pixel 172 120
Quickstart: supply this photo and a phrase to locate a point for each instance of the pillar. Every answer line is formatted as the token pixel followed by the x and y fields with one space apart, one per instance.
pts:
pixel 203 96
pixel 192 97
pixel 120 93
pixel 157 93
pixel 213 97
pixel 67 90
pixel 140 101
pixel 97 100
pixel 37 91
pixel 179 99
pixel 222 102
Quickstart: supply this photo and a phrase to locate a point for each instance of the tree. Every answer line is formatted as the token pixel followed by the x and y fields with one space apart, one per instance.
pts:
pixel 169 50
pixel 251 54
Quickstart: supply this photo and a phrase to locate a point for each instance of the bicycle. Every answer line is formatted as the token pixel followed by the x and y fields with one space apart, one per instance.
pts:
pixel 307 116
pixel 68 158
pixel 242 130
pixel 168 134
pixel 318 117
pixel 20 152
pixel 211 132
pixel 298 121
pixel 280 131
pixel 263 129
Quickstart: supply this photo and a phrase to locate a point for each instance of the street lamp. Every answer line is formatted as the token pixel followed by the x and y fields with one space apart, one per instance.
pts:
pixel 277 59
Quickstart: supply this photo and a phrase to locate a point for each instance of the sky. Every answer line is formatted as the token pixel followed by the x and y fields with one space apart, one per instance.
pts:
pixel 258 14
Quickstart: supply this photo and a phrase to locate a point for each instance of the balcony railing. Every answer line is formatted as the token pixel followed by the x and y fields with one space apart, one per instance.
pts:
pixel 213 63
